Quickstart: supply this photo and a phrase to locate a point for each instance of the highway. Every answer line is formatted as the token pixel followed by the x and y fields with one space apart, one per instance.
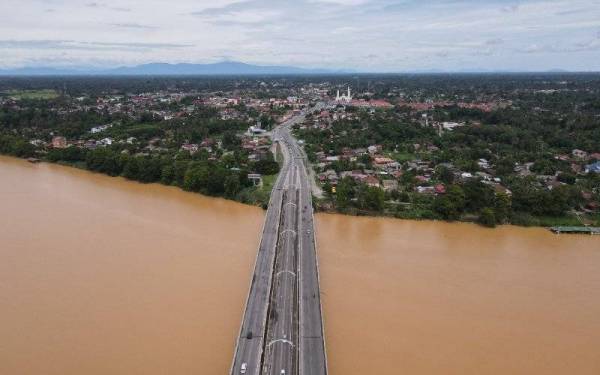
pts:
pixel 282 327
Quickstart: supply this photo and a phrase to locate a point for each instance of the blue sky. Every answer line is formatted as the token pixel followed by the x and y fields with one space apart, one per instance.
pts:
pixel 365 35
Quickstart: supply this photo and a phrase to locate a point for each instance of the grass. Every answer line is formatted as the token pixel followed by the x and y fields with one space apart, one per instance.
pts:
pixel 402 156
pixel 569 221
pixel 45 94
pixel 258 195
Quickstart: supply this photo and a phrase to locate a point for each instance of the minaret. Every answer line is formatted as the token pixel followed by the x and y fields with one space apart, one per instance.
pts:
pixel 337 97
pixel 349 97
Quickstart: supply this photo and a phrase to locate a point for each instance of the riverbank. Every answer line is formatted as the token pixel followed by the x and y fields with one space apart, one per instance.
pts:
pixel 259 196
pixel 399 210
pixel 254 195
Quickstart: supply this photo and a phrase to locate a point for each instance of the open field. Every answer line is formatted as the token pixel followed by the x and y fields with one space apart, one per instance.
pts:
pixel 45 94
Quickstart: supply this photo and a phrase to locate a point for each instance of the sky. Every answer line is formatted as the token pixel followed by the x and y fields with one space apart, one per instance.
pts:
pixel 361 35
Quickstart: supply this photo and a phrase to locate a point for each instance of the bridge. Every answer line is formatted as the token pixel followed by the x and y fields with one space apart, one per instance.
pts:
pixel 282 328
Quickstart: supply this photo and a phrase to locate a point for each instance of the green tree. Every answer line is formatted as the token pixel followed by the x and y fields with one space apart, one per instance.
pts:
pixel 450 205
pixel 196 178
pixel 502 207
pixel 487 217
pixel 445 175
pixel 477 195
pixel 232 185
pixel 371 198
pixel 131 169
pixel 344 192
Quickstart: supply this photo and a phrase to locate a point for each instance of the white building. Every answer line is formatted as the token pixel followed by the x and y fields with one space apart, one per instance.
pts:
pixel 347 98
pixel 100 128
pixel 451 125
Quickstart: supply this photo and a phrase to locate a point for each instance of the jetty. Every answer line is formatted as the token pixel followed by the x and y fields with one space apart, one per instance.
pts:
pixel 576 230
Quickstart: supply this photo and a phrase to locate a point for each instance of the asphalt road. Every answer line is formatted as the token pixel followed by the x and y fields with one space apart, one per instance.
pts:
pixel 282 328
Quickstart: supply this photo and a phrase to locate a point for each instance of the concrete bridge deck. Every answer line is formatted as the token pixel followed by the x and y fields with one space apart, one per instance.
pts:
pixel 282 327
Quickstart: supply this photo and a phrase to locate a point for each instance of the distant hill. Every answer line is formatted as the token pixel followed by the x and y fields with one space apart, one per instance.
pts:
pixel 221 68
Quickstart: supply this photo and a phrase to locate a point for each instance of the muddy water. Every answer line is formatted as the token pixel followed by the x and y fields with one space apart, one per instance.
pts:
pixel 99 275
pixel 104 276
pixel 434 298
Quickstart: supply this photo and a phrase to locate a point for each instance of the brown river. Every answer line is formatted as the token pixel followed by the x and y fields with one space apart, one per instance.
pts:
pixel 99 275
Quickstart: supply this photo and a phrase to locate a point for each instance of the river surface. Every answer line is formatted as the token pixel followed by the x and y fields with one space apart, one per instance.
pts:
pixel 99 275
pixel 404 297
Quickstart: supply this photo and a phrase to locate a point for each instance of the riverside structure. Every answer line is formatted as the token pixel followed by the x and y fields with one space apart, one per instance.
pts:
pixel 282 327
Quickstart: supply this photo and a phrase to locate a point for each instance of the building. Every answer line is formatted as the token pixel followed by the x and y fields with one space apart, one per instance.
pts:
pixel 579 154
pixel 99 129
pixel 593 168
pixel 451 125
pixel 59 142
pixel 390 185
pixel 371 181
pixel 255 178
pixel 257 129
pixel 347 98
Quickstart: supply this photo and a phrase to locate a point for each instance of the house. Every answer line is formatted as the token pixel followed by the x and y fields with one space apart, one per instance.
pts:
pixel 371 181
pixel 390 185
pixel 90 144
pixel 256 130
pixel 523 170
pixel 190 147
pixel 593 168
pixel 374 149
pixel 255 178
pixel 579 154
pixel 422 179
pixel 484 176
pixel 99 129
pixel 59 142
pixel 483 164
pixel 439 189
pixel 382 162
pixel 499 189
pixel 451 125
pixel 37 142
pixel 397 173
pixel 425 189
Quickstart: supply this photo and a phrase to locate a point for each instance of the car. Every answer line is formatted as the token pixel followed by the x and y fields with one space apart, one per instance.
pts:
pixel 243 368
pixel 282 372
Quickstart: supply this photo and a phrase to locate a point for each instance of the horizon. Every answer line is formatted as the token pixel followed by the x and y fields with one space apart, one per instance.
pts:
pixel 136 70
pixel 359 36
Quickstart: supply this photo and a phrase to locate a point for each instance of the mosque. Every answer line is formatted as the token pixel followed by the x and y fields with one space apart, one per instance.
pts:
pixel 347 98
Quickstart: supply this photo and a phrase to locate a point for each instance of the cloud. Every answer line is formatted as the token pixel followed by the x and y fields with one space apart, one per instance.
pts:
pixel 84 45
pixel 133 26
pixel 510 8
pixel 103 5
pixel 403 34
pixel 494 42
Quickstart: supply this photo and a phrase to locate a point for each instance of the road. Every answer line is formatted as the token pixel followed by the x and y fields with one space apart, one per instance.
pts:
pixel 282 327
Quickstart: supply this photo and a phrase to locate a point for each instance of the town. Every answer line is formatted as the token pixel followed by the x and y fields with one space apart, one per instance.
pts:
pixel 493 149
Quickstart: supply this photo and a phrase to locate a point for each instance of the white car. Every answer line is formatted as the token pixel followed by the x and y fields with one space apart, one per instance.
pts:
pixel 244 368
